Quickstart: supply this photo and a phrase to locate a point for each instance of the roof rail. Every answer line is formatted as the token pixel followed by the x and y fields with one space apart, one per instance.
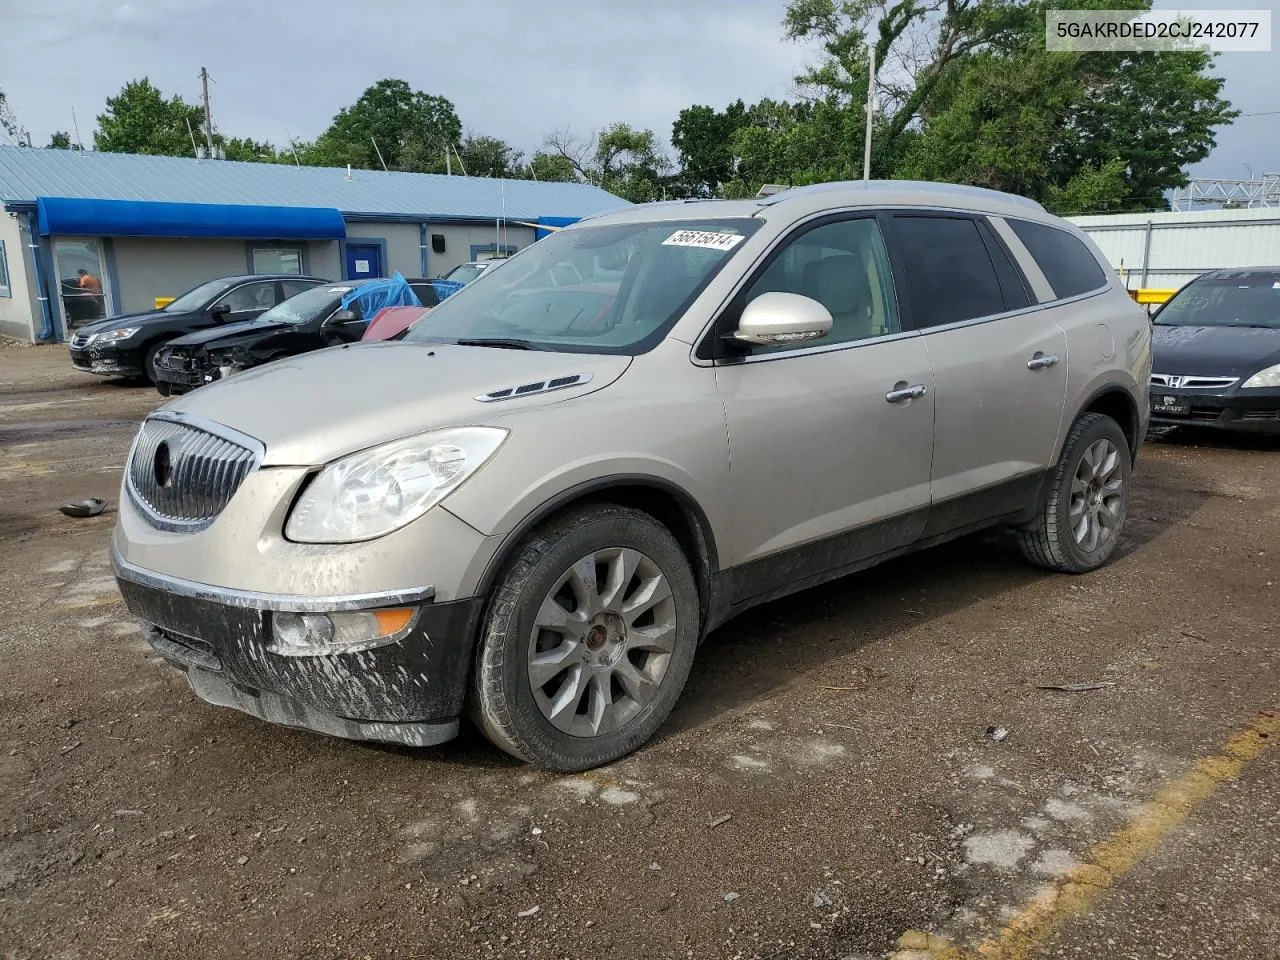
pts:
pixel 924 186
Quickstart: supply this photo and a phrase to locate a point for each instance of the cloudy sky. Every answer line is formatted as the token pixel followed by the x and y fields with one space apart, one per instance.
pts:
pixel 514 68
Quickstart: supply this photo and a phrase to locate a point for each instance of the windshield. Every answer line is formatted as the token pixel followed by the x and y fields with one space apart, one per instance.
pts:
pixel 197 298
pixel 306 306
pixel 465 273
pixel 603 289
pixel 1249 300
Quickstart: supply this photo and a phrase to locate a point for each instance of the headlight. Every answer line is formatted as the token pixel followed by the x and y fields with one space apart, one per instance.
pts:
pixel 124 333
pixel 1270 377
pixel 371 493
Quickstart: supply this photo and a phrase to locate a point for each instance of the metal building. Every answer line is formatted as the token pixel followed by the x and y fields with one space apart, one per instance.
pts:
pixel 141 227
pixel 1166 250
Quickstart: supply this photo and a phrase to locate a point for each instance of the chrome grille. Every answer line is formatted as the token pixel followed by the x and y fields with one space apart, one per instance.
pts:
pixel 182 475
pixel 80 341
pixel 1192 383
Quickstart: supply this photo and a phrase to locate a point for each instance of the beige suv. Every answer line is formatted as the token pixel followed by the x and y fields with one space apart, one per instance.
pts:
pixel 536 505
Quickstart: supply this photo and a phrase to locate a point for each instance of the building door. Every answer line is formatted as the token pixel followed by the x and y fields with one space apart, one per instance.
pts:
pixel 84 294
pixel 364 260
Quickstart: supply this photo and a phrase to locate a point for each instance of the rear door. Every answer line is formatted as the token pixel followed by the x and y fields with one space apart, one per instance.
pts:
pixel 999 366
pixel 830 442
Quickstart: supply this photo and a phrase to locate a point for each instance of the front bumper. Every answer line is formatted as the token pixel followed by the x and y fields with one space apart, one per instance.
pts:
pixel 105 362
pixel 1252 411
pixel 410 691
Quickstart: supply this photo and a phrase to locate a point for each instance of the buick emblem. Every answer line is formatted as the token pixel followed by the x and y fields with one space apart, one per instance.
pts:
pixel 163 465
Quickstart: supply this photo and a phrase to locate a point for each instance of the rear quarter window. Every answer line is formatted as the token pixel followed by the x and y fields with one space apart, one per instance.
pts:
pixel 1065 261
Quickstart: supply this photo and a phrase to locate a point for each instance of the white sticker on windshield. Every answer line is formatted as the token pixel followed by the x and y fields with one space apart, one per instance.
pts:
pixel 703 238
pixel 339 289
pixel 1276 285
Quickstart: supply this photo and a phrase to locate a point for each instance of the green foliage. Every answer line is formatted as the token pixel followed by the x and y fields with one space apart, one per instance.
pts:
pixel 9 122
pixel 552 168
pixel 61 140
pixel 140 120
pixel 411 129
pixel 490 157
pixel 970 96
pixel 244 148
pixel 627 162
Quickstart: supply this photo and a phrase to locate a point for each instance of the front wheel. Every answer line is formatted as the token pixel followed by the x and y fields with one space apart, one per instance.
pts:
pixel 1083 515
pixel 588 641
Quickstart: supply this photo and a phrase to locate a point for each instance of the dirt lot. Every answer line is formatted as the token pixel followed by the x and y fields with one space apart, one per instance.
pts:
pixel 840 732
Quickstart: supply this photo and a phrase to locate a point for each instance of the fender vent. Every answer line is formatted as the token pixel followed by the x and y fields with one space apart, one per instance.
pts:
pixel 540 386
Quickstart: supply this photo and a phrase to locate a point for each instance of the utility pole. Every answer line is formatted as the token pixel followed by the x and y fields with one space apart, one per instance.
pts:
pixel 871 109
pixel 208 116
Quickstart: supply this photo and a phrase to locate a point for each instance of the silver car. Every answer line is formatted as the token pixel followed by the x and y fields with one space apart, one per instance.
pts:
pixel 534 507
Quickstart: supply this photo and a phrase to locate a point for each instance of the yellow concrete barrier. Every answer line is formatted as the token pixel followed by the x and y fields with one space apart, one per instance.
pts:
pixel 1151 295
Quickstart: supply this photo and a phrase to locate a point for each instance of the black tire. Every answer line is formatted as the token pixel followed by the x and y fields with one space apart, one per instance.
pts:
pixel 502 701
pixel 149 361
pixel 1049 541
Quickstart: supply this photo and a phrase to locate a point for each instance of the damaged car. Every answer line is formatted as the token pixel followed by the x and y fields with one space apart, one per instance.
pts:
pixel 311 320
pixel 526 511
pixel 127 345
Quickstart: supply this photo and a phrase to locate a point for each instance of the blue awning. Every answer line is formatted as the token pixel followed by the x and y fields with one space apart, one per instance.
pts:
pixel 136 218
pixel 553 222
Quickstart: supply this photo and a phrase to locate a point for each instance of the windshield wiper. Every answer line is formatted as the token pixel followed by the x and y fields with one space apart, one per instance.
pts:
pixel 507 343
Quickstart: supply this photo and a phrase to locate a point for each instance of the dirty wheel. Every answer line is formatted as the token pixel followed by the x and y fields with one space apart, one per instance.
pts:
pixel 149 363
pixel 1080 523
pixel 588 641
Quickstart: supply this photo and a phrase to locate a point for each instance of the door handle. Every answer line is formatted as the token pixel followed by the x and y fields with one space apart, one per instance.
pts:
pixel 901 391
pixel 1041 361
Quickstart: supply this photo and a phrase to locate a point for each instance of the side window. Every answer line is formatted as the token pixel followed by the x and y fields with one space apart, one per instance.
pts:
pixel 294 287
pixel 1065 261
pixel 949 273
pixel 426 294
pixel 845 267
pixel 251 296
pixel 1016 292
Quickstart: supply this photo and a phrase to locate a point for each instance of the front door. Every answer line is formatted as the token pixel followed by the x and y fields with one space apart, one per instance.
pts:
pixel 830 443
pixel 1001 375
pixel 364 261
pixel 84 294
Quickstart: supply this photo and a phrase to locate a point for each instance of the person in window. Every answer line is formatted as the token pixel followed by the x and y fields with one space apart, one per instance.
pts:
pixel 90 284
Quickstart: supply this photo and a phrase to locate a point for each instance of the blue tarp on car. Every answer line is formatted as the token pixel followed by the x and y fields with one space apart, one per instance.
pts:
pixel 393 291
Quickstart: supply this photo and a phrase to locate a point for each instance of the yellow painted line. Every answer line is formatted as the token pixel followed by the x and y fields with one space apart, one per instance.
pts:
pixel 1073 894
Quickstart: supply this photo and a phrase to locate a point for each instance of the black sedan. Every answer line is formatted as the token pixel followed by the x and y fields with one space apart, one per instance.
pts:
pixel 1216 353
pixel 126 346
pixel 308 321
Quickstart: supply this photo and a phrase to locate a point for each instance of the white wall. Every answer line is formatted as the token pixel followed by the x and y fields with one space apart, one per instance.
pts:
pixel 19 312
pixel 1182 246
pixel 146 268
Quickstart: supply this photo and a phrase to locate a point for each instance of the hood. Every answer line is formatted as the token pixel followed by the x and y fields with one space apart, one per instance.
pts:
pixel 1213 351
pixel 207 338
pixel 319 406
pixel 125 320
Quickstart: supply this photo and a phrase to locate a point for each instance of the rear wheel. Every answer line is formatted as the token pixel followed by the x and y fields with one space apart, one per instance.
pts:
pixel 1083 515
pixel 588 640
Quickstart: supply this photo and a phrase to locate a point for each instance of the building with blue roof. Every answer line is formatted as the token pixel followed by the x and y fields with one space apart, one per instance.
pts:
pixel 144 227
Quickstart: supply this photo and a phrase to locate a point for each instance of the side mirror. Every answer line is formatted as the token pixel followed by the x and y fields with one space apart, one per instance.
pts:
pixel 220 310
pixel 774 318
pixel 343 326
pixel 342 317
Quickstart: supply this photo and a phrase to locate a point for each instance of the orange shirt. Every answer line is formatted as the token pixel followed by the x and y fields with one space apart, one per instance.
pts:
pixel 91 283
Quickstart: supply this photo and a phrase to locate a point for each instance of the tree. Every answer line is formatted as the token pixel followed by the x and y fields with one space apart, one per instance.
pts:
pixel 490 157
pixel 410 128
pixel 620 159
pixel 552 167
pixel 140 120
pixel 703 138
pixel 10 125
pixel 61 140
pixel 246 148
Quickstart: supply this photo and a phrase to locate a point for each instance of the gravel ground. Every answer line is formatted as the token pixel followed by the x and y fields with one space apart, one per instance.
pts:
pixel 824 787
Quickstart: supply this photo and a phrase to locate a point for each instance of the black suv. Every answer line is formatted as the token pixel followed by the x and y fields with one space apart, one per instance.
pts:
pixel 126 346
pixel 309 321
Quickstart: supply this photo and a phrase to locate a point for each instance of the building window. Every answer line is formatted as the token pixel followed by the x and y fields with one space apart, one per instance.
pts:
pixel 5 291
pixel 277 259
